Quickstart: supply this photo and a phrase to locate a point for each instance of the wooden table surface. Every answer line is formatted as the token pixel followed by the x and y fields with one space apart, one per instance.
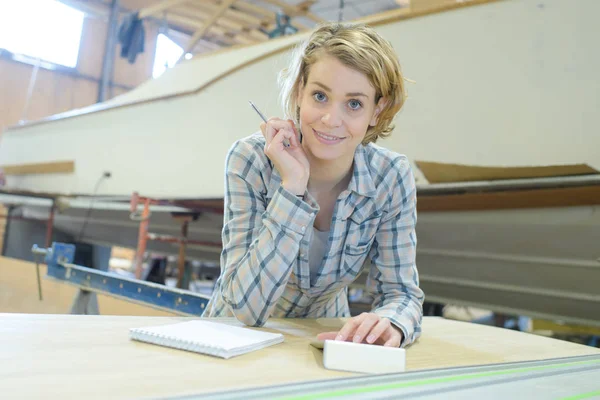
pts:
pixel 76 356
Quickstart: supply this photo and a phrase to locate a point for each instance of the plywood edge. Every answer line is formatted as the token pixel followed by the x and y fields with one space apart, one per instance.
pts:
pixel 511 200
pixel 55 167
pixel 376 20
pixel 436 172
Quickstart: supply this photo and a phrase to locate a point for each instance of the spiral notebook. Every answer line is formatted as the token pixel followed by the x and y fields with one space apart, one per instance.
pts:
pixel 212 338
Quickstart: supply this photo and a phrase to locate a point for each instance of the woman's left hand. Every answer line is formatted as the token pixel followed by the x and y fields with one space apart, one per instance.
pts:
pixel 367 328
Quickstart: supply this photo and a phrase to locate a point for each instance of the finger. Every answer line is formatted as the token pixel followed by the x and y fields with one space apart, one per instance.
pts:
pixel 294 141
pixel 280 137
pixel 394 340
pixel 269 129
pixel 327 336
pixel 274 126
pixel 281 124
pixel 263 129
pixel 291 122
pixel 294 129
pixel 363 330
pixel 350 326
pixel 270 132
pixel 382 326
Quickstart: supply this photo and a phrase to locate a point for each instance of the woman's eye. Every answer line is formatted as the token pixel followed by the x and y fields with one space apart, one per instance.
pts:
pixel 355 104
pixel 320 97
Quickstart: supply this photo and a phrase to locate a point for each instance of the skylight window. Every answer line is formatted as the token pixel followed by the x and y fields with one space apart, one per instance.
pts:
pixel 44 29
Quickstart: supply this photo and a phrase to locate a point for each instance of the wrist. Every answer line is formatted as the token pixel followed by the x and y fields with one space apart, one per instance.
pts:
pixel 297 190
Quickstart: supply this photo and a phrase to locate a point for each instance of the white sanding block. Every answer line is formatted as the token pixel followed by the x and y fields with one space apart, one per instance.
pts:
pixel 365 358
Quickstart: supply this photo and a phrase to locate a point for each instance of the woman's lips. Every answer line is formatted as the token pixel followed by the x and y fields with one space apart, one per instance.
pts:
pixel 327 139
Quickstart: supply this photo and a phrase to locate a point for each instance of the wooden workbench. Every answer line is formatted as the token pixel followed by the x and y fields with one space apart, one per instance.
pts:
pixel 68 356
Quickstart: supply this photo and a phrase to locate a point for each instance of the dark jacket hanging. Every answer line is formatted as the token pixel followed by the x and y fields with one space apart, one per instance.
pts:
pixel 131 37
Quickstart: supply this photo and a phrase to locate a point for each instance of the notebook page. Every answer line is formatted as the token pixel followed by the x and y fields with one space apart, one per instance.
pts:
pixel 212 334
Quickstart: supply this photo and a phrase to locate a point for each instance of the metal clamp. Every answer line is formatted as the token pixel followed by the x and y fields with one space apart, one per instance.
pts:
pixel 139 216
pixel 39 251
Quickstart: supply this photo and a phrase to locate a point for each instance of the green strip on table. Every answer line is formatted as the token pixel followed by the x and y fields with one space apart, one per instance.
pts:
pixel 583 396
pixel 432 381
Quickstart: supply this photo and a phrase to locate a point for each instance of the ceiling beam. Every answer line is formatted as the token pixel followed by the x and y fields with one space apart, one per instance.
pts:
pixel 241 36
pixel 294 11
pixel 202 31
pixel 269 17
pixel 183 21
pixel 257 35
pixel 245 39
pixel 203 15
pixel 424 4
pixel 159 7
pixel 242 17
pixel 182 38
pixel 273 24
pixel 249 7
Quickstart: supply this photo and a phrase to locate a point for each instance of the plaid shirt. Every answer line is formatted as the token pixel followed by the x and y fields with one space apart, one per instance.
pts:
pixel 267 232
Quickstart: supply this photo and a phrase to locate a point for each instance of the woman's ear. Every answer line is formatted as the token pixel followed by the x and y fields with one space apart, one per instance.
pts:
pixel 378 108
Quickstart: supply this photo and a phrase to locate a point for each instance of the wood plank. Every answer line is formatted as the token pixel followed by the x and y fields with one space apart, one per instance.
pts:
pixel 230 15
pixel 521 199
pixel 160 7
pixel 55 167
pixel 202 31
pixel 436 172
pixel 295 11
pixel 195 24
pixel 257 35
pixel 424 4
pixel 245 39
pixel 202 15
pixel 255 8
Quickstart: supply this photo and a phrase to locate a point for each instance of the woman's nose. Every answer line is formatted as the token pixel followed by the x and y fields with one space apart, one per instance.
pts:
pixel 332 118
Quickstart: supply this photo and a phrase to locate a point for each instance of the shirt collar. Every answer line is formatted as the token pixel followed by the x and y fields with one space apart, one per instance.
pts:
pixel 362 181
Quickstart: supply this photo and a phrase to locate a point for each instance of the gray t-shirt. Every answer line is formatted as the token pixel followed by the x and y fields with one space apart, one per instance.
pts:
pixel 318 247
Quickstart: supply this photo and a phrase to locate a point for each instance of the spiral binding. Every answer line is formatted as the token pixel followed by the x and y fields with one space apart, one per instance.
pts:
pixel 170 341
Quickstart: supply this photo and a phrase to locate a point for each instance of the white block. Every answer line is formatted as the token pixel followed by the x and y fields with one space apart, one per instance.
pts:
pixel 365 358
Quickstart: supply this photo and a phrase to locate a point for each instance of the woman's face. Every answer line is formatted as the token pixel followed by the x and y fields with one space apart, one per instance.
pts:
pixel 337 106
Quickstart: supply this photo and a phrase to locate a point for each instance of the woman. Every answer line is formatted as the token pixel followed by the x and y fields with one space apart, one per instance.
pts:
pixel 302 217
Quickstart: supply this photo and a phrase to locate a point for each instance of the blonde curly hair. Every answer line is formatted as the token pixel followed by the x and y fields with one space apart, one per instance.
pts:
pixel 359 47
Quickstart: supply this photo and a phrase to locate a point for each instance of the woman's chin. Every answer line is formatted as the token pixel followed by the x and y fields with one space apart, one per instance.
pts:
pixel 324 154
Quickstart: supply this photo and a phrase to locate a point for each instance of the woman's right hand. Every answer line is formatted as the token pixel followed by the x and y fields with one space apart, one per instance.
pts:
pixel 291 162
